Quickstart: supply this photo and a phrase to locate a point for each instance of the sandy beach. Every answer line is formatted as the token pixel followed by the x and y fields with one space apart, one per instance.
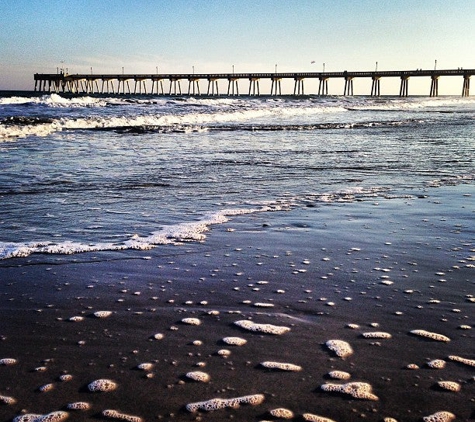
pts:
pixel 335 272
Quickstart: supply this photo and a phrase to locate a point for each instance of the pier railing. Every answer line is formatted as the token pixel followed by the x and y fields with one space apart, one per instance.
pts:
pixel 120 83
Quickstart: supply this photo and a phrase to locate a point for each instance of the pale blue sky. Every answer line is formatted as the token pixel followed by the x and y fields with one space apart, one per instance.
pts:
pixel 213 35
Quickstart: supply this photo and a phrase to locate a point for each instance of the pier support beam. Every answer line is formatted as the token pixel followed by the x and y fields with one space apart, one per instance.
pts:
pixel 155 82
pixel 141 83
pixel 275 88
pixel 466 86
pixel 233 87
pixel 123 81
pixel 174 84
pixel 404 88
pixel 254 86
pixel 193 86
pixel 81 85
pixel 56 86
pixel 298 86
pixel 212 84
pixel 348 90
pixel 94 85
pixel 88 86
pixel 376 86
pixel 323 86
pixel 434 86
pixel 74 86
pixel 109 85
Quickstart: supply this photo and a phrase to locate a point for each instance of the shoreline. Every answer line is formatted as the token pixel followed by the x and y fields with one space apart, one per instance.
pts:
pixel 317 270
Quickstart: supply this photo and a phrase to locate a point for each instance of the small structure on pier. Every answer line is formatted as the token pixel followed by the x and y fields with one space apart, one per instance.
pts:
pixel 89 84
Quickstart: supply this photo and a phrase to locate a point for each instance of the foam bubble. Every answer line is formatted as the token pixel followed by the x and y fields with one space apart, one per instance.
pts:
pixel 430 335
pixel 218 403
pixel 8 361
pixel 442 416
pixel 114 414
pixel 341 348
pixel 309 417
pixel 449 385
pixel 262 328
pixel 198 376
pixel 282 413
pixel 234 341
pixel 79 405
pixel 27 417
pixel 358 390
pixel 102 385
pixel 281 366
pixel 7 400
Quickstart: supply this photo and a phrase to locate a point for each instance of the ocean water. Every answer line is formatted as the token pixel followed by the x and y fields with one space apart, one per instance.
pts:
pixel 136 172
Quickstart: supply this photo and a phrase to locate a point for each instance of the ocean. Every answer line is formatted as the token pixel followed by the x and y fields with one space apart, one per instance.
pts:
pixel 112 173
pixel 310 257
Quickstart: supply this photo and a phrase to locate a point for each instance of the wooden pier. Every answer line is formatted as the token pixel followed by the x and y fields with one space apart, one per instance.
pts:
pixel 121 83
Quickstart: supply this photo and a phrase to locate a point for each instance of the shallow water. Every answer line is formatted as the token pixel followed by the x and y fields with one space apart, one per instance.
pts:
pixel 88 174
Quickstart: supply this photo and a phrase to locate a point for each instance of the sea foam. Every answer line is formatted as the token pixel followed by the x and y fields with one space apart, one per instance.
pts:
pixel 172 234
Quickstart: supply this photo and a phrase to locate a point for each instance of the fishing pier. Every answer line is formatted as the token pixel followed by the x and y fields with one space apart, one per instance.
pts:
pixel 153 84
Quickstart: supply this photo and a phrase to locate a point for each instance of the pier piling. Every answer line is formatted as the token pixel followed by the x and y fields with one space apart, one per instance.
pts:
pixel 376 86
pixel 323 86
pixel 213 84
pixel 123 81
pixel 155 81
pixel 254 86
pixel 466 86
pixel 348 86
pixel 275 88
pixel 404 88
pixel 298 86
pixel 141 82
pixel 193 86
pixel 434 86
pixel 233 88
pixel 174 84
pixel 109 82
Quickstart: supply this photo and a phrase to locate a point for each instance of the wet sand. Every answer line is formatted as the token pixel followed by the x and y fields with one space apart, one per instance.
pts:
pixel 389 266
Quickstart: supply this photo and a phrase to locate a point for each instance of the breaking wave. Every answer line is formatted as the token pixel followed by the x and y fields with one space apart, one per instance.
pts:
pixel 54 100
pixel 172 115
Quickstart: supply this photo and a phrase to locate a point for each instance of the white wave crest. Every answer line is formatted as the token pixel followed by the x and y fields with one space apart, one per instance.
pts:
pixel 193 119
pixel 17 131
pixel 55 100
pixel 192 113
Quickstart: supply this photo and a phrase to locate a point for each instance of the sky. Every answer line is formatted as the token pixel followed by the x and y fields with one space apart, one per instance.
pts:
pixel 40 36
